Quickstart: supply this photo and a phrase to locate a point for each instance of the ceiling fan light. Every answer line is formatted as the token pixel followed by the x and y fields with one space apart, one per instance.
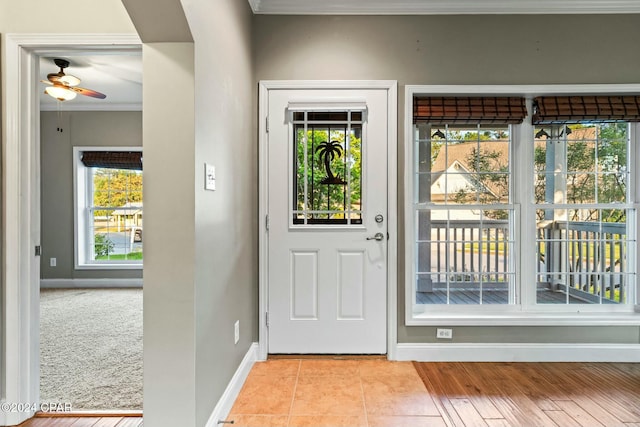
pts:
pixel 60 93
pixel 69 80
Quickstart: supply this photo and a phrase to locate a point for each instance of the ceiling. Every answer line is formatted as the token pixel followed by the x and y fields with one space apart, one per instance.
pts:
pixel 441 7
pixel 117 75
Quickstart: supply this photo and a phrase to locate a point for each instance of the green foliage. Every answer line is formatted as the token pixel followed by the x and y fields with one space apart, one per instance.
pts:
pixel 490 178
pixel 103 246
pixel 131 256
pixel 326 152
pixel 116 187
pixel 605 158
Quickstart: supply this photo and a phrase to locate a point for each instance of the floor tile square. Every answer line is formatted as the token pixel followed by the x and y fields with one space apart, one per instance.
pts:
pixel 328 395
pixel 329 367
pixel 265 395
pixel 397 396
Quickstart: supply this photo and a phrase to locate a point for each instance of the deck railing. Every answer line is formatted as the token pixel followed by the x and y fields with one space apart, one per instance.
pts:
pixel 586 259
pixel 589 259
pixel 466 252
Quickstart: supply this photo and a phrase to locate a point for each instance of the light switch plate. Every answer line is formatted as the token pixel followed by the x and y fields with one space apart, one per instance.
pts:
pixel 209 177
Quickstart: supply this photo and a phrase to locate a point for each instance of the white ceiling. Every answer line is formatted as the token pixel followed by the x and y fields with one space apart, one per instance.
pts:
pixel 441 7
pixel 117 75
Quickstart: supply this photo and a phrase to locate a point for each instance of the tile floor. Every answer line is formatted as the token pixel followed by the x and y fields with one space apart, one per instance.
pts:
pixel 334 393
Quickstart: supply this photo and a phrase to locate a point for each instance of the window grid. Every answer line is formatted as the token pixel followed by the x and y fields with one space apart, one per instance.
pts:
pixel 114 215
pixel 462 238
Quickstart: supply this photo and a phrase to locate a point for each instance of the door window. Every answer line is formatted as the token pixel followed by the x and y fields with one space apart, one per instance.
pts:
pixel 327 168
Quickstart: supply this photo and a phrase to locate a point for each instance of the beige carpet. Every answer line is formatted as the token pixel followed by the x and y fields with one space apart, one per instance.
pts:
pixel 91 348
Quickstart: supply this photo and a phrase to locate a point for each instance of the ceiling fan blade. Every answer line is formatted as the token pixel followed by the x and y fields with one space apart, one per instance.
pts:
pixel 88 92
pixel 46 82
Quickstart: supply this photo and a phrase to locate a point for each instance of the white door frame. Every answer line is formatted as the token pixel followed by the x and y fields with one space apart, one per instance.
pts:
pixel 392 173
pixel 20 368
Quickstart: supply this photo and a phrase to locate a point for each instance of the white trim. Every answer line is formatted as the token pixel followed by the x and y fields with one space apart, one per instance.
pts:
pixel 327 106
pixel 434 7
pixel 89 283
pixel 525 352
pixel 224 405
pixel 519 318
pixel 525 313
pixel 392 221
pixel 91 107
pixel 522 90
pixel 392 189
pixel 21 198
pixel 82 186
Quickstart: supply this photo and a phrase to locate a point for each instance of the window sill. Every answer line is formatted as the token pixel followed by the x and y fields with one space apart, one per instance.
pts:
pixel 526 319
pixel 114 266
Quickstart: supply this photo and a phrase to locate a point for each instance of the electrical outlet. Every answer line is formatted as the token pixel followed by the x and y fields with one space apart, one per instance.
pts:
pixel 236 332
pixel 444 333
pixel 52 262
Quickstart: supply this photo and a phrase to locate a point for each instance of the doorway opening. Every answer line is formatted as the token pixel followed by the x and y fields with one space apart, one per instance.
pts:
pixel 22 196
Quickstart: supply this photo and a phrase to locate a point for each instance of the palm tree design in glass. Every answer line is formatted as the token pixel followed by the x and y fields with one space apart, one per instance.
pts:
pixel 328 151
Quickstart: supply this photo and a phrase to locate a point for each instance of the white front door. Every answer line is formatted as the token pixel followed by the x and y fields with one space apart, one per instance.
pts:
pixel 327 214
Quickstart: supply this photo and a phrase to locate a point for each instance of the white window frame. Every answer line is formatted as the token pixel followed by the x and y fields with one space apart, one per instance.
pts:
pixel 82 193
pixel 526 311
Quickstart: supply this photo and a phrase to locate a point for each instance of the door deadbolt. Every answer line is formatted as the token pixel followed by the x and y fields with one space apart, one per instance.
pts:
pixel 379 218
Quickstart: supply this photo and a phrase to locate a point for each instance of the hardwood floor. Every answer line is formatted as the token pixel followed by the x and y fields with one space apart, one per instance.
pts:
pixel 369 392
pixel 535 394
pixel 83 421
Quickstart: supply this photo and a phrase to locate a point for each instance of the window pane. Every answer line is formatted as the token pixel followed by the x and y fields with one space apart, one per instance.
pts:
pixel 463 261
pixel 116 215
pixel 582 163
pixel 582 256
pixel 463 253
pixel 466 164
pixel 327 168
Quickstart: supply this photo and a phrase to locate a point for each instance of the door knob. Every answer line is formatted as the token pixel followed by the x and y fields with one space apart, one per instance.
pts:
pixel 378 237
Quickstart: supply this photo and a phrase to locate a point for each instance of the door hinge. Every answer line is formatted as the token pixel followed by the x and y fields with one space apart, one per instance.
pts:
pixel 38 250
pixel 266 222
pixel 267 123
pixel 267 318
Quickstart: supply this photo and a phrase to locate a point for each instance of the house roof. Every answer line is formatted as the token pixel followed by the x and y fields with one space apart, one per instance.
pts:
pixel 129 209
pixel 463 152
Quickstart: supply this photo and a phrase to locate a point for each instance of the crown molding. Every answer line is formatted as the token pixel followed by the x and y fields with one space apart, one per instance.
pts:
pixel 91 107
pixel 443 7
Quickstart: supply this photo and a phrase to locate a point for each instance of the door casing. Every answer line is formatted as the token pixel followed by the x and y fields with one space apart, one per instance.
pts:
pixel 20 358
pixel 391 86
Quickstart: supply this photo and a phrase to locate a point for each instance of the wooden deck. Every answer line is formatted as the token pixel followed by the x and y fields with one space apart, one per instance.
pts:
pixel 472 296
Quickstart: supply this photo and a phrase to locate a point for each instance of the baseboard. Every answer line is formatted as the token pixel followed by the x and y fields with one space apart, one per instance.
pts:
pixel 230 394
pixel 89 283
pixel 525 352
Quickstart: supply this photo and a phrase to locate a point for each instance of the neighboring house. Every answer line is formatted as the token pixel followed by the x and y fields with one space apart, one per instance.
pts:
pixel 452 175
pixel 129 215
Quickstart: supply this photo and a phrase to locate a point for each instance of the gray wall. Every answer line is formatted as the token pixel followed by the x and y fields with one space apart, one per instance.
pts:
pixel 202 278
pixel 456 50
pixel 226 242
pixel 169 265
pixel 80 128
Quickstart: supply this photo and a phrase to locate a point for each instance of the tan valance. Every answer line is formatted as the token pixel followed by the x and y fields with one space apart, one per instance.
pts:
pixel 131 160
pixel 579 109
pixel 468 110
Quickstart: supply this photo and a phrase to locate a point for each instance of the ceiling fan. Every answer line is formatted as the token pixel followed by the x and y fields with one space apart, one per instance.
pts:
pixel 64 87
